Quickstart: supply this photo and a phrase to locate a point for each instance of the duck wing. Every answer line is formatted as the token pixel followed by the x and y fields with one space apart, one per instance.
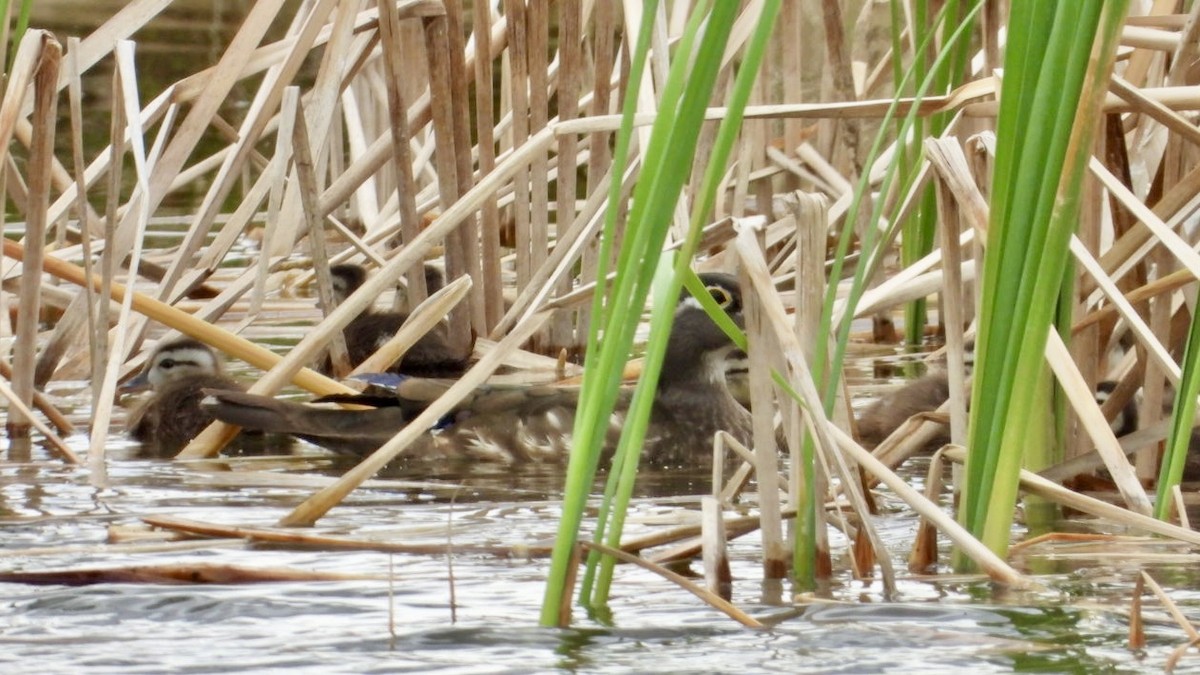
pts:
pixel 358 432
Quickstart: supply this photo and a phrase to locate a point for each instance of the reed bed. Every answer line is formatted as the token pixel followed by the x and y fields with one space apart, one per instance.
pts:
pixel 522 144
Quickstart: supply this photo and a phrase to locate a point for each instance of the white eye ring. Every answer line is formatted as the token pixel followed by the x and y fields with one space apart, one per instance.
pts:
pixel 722 295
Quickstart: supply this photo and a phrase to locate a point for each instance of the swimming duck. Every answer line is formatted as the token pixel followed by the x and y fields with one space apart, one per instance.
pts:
pixel 927 393
pixel 177 371
pixel 923 395
pixel 430 356
pixel 517 424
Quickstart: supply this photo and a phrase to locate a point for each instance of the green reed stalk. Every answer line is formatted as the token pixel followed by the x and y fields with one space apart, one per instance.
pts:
pixel 601 382
pixel 920 230
pixel 1049 103
pixel 827 375
pixel 1184 416
pixel 827 369
pixel 704 72
pixel 18 31
pixel 684 100
pixel 672 92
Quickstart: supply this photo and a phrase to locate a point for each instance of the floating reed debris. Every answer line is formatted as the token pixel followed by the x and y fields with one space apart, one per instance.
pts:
pixel 203 573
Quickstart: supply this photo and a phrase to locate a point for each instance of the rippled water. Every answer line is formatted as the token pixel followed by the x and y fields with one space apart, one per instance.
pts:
pixel 474 613
pixel 54 518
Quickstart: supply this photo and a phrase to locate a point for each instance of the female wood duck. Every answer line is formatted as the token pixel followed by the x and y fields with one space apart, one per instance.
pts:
pixel 533 424
pixel 430 356
pixel 177 371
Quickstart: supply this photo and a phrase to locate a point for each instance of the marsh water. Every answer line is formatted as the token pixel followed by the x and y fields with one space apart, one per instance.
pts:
pixel 477 613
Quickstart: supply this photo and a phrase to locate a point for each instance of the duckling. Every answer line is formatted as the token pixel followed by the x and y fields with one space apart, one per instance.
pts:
pixel 430 356
pixel 923 395
pixel 514 424
pixel 177 371
pixel 1126 420
pixel 435 280
pixel 926 394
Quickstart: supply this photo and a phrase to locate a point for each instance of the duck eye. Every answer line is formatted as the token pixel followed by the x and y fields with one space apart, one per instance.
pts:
pixel 167 364
pixel 722 295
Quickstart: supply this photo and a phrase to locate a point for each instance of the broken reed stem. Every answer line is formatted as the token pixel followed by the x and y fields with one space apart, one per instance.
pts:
pixel 717 576
pixel 402 161
pixel 715 601
pixel 923 554
pixel 83 209
pixel 437 45
pixel 1137 627
pixel 493 288
pixel 763 353
pixel 811 214
pixel 953 302
pixel 277 537
pixel 302 160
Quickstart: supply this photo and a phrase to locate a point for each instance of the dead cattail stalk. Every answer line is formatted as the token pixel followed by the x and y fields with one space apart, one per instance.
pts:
pixel 442 97
pixel 762 347
pixel 954 299
pixel 811 215
pixel 45 76
pixel 402 161
pixel 516 76
pixel 485 115
pixel 307 180
pixel 124 338
pixel 468 232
